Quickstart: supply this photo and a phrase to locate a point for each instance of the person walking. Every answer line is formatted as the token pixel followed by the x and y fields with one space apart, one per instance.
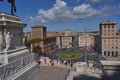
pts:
pixel 72 63
pixel 39 61
pixel 52 62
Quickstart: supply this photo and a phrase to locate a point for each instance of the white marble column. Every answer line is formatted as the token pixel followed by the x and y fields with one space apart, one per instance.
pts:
pixel 103 54
pixel 5 58
pixel 110 53
pixel 106 54
pixel 114 54
pixel 118 53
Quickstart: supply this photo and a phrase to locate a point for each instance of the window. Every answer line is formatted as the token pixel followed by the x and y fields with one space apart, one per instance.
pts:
pixel 104 40
pixel 116 53
pixel 108 52
pixel 108 26
pixel 112 26
pixel 112 47
pixel 104 26
pixel 104 52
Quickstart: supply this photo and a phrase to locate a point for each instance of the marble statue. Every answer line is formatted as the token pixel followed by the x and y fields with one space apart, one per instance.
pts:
pixel 8 37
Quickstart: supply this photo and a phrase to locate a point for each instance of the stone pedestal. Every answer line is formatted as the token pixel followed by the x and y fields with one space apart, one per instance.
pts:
pixel 11 30
pixel 111 70
pixel 80 66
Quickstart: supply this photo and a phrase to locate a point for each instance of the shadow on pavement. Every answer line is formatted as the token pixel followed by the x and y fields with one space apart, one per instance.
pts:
pixel 86 77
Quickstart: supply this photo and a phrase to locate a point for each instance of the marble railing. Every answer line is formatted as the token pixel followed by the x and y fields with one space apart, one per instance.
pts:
pixel 12 68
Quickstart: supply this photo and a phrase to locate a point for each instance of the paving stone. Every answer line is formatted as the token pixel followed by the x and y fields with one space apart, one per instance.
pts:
pixel 49 73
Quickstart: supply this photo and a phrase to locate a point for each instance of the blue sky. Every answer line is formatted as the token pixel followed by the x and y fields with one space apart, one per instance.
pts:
pixel 65 14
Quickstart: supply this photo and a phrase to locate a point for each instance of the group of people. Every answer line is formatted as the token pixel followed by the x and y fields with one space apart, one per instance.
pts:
pixel 52 62
pixel 67 62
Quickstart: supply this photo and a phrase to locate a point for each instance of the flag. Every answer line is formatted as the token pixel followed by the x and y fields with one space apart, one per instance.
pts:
pixel 84 49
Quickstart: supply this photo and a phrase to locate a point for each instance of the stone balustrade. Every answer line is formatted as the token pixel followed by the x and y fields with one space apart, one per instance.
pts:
pixel 12 68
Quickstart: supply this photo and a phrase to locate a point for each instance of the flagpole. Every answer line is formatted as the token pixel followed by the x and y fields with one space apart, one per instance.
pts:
pixel 85 50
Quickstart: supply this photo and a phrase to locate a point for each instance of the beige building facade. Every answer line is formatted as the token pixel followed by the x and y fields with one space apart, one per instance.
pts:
pixel 65 39
pixel 89 39
pixel 109 39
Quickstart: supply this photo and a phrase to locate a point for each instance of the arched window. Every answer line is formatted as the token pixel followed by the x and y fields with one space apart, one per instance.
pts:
pixel 108 53
pixel 116 53
pixel 104 52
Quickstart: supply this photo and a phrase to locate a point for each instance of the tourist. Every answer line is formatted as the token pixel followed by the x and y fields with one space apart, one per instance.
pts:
pixel 65 62
pixel 39 61
pixel 62 62
pixel 52 62
pixel 72 63
pixel 45 60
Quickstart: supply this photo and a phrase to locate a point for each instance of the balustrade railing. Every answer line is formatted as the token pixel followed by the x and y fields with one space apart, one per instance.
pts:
pixel 12 68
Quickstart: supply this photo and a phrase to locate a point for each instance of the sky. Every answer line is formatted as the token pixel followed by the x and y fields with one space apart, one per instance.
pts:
pixel 59 15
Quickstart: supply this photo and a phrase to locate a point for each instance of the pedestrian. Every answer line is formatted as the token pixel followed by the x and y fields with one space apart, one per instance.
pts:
pixel 45 60
pixel 72 63
pixel 39 61
pixel 65 62
pixel 62 62
pixel 52 62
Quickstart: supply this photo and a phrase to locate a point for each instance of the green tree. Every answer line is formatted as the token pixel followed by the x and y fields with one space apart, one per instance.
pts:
pixel 33 41
pixel 36 49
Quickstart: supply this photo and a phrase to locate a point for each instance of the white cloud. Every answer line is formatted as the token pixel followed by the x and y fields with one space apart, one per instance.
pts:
pixel 61 12
pixel 96 1
pixel 85 10
pixel 111 10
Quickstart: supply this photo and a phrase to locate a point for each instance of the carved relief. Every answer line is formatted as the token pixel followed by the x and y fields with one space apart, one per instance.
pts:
pixel 1 41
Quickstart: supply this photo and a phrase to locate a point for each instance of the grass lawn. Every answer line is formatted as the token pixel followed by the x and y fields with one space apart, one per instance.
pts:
pixel 72 54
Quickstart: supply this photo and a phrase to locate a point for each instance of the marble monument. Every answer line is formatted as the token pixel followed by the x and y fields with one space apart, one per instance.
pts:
pixel 11 36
